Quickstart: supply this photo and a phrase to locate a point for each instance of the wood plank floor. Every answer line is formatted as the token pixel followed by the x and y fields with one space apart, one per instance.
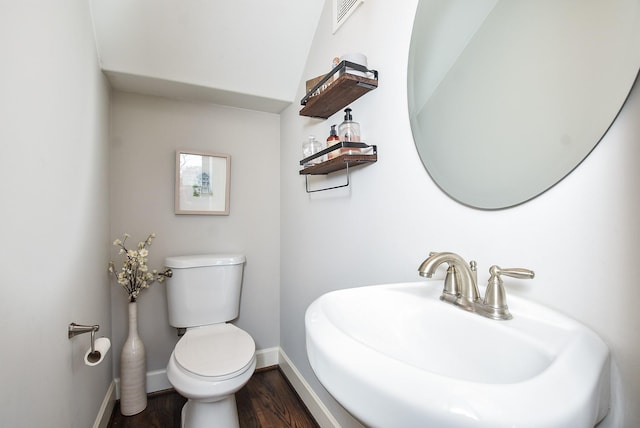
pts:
pixel 266 401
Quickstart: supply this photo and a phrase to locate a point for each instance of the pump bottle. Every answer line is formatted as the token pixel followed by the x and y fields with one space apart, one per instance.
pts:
pixel 331 140
pixel 349 130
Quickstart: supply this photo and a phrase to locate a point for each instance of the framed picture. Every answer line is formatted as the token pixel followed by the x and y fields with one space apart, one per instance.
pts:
pixel 202 183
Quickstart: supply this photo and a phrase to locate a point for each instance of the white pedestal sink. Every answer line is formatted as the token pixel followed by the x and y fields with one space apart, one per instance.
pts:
pixel 396 356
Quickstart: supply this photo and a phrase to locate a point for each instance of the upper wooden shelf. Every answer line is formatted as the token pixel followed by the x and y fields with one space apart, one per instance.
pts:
pixel 340 93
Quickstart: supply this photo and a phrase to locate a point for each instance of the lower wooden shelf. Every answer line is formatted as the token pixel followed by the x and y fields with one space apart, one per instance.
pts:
pixel 339 163
pixel 342 162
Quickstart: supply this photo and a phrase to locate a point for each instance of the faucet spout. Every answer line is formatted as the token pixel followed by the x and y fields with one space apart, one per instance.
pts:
pixel 469 294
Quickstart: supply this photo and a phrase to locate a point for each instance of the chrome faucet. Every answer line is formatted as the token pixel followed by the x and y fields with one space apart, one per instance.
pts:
pixel 461 285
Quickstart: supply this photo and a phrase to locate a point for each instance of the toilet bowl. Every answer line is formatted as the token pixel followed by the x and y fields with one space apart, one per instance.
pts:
pixel 208 365
pixel 214 358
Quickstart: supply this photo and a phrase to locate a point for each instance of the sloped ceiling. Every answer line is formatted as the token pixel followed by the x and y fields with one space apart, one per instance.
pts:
pixel 242 53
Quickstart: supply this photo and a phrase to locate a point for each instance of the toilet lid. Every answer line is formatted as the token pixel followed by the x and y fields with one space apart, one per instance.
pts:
pixel 215 350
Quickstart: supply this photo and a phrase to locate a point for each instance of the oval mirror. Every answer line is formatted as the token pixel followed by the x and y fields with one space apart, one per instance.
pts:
pixel 507 97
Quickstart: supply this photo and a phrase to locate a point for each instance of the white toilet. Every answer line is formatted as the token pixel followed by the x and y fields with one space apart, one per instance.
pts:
pixel 214 358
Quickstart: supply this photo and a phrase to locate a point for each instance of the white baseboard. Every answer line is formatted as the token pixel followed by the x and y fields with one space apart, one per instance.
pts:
pixel 317 408
pixel 267 357
pixel 106 409
pixel 157 381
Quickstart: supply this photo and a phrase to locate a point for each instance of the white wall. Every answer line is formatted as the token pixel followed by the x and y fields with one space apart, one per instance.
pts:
pixel 54 219
pixel 145 134
pixel 581 237
pixel 214 45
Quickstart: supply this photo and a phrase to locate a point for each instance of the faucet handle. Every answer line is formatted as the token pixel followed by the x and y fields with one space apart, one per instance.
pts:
pixel 495 298
pixel 514 272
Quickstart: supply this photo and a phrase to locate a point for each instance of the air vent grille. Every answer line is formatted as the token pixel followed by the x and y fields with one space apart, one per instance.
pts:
pixel 342 9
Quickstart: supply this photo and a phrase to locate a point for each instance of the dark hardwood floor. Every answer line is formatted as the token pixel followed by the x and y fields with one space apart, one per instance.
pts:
pixel 266 401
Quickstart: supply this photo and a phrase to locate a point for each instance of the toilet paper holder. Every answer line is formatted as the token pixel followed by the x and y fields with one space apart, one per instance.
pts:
pixel 76 329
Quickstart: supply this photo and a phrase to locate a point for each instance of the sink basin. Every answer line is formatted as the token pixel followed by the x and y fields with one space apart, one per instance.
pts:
pixel 394 355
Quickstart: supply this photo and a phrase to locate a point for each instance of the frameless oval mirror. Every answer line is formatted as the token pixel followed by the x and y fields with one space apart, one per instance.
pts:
pixel 507 97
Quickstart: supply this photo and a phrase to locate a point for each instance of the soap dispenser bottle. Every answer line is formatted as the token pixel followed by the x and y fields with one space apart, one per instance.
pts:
pixel 333 139
pixel 349 130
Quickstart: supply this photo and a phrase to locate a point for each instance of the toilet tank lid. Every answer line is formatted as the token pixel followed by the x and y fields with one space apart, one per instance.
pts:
pixel 202 260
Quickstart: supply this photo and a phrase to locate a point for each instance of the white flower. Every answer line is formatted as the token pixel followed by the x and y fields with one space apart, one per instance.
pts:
pixel 135 274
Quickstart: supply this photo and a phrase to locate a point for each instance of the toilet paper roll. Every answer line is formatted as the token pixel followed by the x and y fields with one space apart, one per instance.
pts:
pixel 357 58
pixel 102 346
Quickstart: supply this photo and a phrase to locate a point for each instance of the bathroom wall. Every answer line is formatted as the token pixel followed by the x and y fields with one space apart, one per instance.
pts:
pixel 581 237
pixel 54 220
pixel 145 134
pixel 200 44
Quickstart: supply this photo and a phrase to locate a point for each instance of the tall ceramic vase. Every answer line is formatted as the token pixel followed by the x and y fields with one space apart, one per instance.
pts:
pixel 133 373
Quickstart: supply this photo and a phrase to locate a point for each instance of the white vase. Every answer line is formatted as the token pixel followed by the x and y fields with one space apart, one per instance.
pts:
pixel 133 373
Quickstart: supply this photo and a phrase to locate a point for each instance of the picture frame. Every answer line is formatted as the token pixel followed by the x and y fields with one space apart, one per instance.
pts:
pixel 202 183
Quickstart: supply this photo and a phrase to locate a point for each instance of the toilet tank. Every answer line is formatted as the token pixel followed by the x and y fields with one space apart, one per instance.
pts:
pixel 204 289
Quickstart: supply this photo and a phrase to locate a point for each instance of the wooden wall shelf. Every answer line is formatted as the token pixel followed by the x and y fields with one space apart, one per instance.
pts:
pixel 342 162
pixel 339 163
pixel 340 93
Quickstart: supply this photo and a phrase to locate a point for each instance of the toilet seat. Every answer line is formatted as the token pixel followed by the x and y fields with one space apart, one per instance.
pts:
pixel 216 352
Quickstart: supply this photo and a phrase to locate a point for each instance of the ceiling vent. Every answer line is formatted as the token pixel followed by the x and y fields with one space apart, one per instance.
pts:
pixel 342 10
